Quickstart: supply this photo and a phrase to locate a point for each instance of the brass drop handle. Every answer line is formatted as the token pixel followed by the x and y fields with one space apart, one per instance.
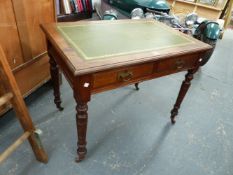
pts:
pixel 125 76
pixel 180 64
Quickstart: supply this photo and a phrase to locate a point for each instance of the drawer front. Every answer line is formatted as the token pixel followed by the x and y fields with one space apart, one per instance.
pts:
pixel 177 64
pixel 121 75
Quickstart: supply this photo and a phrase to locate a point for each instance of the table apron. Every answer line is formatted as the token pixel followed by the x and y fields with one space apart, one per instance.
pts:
pixel 114 78
pixel 123 76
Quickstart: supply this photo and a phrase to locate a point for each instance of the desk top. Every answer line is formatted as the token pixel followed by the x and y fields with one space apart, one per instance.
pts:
pixel 99 45
pixel 99 41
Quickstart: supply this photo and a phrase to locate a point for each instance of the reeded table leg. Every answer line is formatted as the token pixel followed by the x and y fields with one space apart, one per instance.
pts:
pixel 183 90
pixel 82 95
pixel 54 71
pixel 81 120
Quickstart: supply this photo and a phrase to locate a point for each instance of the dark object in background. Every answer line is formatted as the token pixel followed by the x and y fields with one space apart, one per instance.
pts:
pixel 110 15
pixel 129 5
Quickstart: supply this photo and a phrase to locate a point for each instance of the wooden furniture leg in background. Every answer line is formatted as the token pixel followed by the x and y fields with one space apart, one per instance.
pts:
pixel 14 96
pixel 55 77
pixel 183 90
pixel 136 86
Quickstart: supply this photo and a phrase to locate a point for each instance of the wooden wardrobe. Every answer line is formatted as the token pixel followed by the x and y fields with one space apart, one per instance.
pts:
pixel 23 41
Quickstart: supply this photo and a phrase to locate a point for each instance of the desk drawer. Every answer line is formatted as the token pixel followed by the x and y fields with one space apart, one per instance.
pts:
pixel 177 64
pixel 122 75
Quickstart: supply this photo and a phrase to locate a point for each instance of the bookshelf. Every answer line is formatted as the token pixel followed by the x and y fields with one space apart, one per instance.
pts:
pixel 73 10
pixel 201 7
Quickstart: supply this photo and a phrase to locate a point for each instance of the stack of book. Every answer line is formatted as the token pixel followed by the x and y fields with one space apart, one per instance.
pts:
pixel 73 6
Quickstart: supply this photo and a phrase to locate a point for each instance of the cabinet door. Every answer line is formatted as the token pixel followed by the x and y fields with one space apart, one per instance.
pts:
pixel 9 38
pixel 29 15
pixel 23 41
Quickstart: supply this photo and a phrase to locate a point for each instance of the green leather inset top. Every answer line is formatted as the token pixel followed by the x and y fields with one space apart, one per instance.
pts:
pixel 102 40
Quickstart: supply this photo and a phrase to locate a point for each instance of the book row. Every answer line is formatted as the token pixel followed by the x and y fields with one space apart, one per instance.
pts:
pixel 73 6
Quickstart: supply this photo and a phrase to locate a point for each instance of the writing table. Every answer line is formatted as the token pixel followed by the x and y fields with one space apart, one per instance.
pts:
pixel 96 56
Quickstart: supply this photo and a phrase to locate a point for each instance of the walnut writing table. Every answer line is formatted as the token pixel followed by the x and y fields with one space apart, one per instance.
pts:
pixel 102 55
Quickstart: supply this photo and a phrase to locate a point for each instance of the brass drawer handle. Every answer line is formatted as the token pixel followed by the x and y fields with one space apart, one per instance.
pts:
pixel 180 64
pixel 125 76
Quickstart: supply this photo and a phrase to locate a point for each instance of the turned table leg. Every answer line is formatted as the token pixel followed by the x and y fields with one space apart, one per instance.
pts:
pixel 81 121
pixel 54 71
pixel 82 95
pixel 183 90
